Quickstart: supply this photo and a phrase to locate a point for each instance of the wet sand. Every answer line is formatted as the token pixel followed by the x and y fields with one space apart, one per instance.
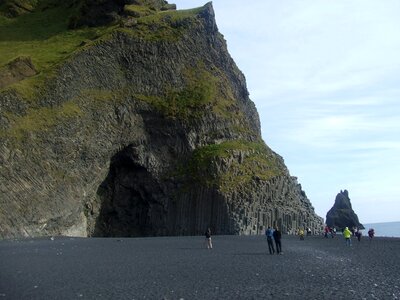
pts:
pixel 238 267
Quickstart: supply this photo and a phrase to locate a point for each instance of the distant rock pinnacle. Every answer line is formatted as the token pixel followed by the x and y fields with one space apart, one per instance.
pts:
pixel 341 215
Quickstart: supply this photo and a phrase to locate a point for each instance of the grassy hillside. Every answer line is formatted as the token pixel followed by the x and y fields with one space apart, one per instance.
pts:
pixel 44 36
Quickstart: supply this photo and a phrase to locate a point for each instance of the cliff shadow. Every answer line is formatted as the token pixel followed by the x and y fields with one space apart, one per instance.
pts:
pixel 134 202
pixel 131 201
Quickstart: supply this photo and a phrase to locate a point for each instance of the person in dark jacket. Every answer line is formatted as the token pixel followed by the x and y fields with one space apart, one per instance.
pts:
pixel 208 238
pixel 358 234
pixel 371 233
pixel 277 237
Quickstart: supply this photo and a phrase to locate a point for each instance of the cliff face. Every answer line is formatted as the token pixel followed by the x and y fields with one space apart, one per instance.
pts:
pixel 341 214
pixel 145 130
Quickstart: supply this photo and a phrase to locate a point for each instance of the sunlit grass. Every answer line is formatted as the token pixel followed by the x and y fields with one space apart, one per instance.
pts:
pixel 43 35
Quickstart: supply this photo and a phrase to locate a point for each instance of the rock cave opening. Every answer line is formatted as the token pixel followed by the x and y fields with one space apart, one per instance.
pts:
pixel 131 200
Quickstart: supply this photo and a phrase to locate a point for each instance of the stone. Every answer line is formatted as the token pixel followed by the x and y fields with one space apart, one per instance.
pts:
pixel 16 70
pixel 129 22
pixel 341 215
pixel 16 8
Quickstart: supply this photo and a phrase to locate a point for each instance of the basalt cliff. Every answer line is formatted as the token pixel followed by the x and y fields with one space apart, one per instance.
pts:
pixel 130 118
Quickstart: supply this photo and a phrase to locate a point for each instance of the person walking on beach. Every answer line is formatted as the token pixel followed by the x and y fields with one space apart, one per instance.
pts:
pixel 270 234
pixel 277 237
pixel 308 231
pixel 208 238
pixel 371 233
pixel 347 236
pixel 358 234
pixel 301 234
pixel 326 231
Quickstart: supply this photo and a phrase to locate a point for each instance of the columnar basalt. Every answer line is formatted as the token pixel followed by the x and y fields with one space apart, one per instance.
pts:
pixel 146 130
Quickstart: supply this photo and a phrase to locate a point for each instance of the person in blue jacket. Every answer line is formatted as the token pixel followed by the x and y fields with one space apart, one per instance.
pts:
pixel 270 234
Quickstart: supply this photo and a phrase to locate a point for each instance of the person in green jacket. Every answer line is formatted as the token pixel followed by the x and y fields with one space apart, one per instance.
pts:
pixel 347 236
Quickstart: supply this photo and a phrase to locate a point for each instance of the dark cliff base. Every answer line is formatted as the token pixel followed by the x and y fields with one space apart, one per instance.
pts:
pixel 181 268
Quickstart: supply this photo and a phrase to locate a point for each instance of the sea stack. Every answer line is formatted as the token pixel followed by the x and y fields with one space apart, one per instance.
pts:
pixel 341 215
pixel 142 126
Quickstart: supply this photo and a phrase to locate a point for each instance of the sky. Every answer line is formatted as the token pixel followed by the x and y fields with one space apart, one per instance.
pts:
pixel 325 78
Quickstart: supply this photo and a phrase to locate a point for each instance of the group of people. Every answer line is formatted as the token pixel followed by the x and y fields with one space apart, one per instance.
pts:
pixel 273 234
pixel 329 232
pixel 347 233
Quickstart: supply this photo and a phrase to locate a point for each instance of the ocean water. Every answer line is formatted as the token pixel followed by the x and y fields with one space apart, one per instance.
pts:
pixel 389 229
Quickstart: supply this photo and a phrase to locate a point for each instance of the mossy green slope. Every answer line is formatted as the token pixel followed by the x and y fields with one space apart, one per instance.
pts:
pixel 232 164
pixel 43 35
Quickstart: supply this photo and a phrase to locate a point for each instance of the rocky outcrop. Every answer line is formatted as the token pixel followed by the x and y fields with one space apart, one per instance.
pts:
pixel 15 8
pixel 149 131
pixel 17 70
pixel 341 215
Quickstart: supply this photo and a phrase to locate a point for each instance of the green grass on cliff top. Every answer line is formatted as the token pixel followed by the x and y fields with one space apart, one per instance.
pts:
pixel 164 25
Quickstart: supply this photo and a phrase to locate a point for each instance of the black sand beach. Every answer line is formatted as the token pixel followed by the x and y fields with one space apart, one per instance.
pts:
pixel 238 267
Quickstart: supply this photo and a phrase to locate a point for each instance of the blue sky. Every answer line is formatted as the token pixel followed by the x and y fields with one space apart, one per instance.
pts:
pixel 325 77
